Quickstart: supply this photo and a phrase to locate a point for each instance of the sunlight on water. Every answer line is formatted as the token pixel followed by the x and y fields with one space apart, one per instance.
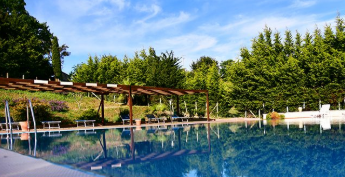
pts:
pixel 291 147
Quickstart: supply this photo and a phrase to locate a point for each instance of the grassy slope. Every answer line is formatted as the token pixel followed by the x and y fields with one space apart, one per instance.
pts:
pixel 77 103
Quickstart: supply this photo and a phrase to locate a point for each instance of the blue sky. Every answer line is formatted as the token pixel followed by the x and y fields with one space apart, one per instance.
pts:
pixel 190 28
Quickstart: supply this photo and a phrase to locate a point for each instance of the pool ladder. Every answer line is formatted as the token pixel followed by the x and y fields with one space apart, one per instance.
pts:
pixel 9 121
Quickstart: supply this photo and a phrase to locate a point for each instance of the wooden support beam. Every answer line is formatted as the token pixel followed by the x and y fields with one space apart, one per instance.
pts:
pixel 207 107
pixel 102 101
pixel 177 105
pixel 130 102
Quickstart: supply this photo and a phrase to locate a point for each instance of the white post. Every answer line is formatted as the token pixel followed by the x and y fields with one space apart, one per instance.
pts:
pixel 287 108
pixel 170 103
pixel 303 105
pixel 185 106
pixel 217 109
pixel 319 104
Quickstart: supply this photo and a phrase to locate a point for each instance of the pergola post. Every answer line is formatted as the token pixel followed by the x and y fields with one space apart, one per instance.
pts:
pixel 177 105
pixel 209 137
pixel 130 105
pixel 207 107
pixel 132 146
pixel 102 104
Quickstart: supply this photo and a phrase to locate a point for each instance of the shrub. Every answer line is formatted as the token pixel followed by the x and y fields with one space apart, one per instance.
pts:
pixel 90 114
pixel 274 115
pixel 124 111
pixel 158 109
pixel 58 106
pixel 40 107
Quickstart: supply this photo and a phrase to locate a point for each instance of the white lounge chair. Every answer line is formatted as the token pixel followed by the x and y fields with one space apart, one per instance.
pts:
pixel 3 124
pixel 152 117
pixel 324 110
pixel 50 123
pixel 175 117
pixel 325 124
pixel 85 122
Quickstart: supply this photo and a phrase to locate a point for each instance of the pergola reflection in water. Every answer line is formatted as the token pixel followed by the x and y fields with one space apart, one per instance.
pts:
pixel 111 162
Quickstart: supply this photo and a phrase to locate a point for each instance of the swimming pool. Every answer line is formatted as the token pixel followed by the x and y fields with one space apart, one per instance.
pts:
pixel 224 149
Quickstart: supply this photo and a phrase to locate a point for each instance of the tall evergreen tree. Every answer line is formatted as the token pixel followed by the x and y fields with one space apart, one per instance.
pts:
pixel 24 42
pixel 56 59
pixel 299 70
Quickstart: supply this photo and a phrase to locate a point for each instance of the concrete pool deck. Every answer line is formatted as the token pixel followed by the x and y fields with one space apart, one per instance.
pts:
pixel 13 164
pixel 134 126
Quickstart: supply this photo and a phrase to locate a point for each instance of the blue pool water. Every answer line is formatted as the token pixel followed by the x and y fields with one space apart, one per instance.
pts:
pixel 226 149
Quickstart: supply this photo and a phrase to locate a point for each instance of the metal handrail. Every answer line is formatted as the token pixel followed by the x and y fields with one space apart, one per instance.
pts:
pixel 8 122
pixel 33 115
pixel 8 117
pixel 34 120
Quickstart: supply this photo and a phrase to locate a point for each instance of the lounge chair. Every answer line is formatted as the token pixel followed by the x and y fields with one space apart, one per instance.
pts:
pixel 325 124
pixel 86 132
pixel 324 110
pixel 125 118
pixel 151 130
pixel 152 117
pixel 175 117
pixel 86 122
pixel 3 123
pixel 126 132
pixel 50 123
pixel 52 134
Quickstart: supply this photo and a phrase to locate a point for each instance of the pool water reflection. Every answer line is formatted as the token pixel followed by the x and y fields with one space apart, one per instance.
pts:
pixel 286 148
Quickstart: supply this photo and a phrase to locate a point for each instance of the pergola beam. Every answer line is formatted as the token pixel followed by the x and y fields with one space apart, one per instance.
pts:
pixel 102 89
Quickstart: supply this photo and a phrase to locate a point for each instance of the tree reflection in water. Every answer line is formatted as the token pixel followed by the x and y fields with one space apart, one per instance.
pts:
pixel 227 149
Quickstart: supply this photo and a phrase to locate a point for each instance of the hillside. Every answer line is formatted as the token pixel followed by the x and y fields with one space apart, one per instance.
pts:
pixel 77 104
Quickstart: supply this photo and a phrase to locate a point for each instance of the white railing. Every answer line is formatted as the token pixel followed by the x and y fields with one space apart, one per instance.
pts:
pixel 8 123
pixel 9 130
pixel 34 121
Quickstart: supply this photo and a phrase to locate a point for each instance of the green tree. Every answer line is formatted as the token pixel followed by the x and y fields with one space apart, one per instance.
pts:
pixel 24 42
pixel 224 67
pixel 286 74
pixel 208 61
pixel 56 59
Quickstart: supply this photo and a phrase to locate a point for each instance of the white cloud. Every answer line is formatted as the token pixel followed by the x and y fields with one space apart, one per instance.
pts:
pixel 187 43
pixel 152 26
pixel 120 3
pixel 280 24
pixel 153 10
pixel 172 21
pixel 76 8
pixel 118 27
pixel 303 3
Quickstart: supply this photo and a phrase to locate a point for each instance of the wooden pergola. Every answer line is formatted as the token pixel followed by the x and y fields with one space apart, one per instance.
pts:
pixel 100 89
